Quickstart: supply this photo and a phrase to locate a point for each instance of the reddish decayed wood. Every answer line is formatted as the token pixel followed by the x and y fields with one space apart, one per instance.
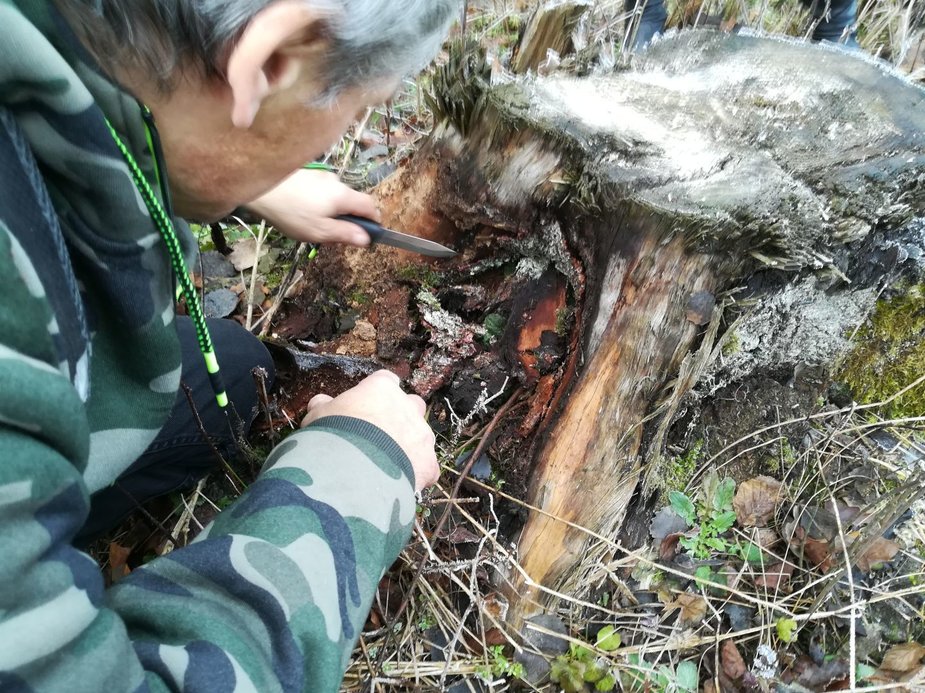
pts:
pixel 591 450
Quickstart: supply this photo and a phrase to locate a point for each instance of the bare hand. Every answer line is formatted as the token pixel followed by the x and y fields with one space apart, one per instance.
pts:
pixel 304 205
pixel 380 400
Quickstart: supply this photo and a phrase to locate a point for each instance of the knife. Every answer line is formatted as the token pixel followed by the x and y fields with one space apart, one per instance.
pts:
pixel 380 234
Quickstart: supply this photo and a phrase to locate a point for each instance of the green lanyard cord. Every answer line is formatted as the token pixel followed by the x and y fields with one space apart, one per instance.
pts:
pixel 168 233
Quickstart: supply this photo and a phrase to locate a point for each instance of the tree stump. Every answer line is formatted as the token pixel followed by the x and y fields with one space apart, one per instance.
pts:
pixel 726 188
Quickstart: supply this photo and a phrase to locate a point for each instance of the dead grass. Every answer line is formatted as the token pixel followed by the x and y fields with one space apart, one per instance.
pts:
pixel 458 612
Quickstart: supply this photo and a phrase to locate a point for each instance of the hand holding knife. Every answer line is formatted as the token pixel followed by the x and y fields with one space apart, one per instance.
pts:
pixel 380 234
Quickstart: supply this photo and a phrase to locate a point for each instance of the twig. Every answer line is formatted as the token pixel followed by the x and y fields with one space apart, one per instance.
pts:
pixel 499 415
pixel 188 391
pixel 260 238
pixel 285 285
pixel 181 528
pixel 148 516
pixel 260 380
pixel 357 134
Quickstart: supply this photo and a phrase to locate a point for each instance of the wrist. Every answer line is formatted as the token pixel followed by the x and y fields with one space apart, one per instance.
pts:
pixel 370 439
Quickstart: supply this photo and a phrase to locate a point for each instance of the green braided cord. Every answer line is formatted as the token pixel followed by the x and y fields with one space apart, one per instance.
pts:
pixel 165 228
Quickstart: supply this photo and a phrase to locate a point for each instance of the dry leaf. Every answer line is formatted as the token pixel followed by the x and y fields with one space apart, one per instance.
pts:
pixel 766 538
pixel 692 608
pixel 733 665
pixel 665 523
pixel 903 658
pixel 668 549
pixel 755 501
pixel 880 551
pixel 244 254
pixel 496 605
pixel 461 535
pixel 819 553
pixel 494 637
pixel 118 559
pixel 815 677
pixel 775 577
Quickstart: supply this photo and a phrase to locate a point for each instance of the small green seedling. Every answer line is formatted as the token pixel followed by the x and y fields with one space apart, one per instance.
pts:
pixel 500 666
pixel 714 515
pixel 581 665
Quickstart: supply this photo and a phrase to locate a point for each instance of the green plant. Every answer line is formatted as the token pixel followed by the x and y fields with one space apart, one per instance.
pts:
pixel 714 515
pixel 494 324
pixel 581 665
pixel 643 677
pixel 500 666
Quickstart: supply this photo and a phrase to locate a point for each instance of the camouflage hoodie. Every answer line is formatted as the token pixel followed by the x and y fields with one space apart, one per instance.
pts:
pixel 272 595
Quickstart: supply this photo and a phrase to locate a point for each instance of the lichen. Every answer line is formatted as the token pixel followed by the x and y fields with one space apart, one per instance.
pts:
pixel 889 354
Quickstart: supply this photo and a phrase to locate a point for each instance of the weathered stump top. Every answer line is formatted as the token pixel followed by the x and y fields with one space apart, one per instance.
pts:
pixel 778 144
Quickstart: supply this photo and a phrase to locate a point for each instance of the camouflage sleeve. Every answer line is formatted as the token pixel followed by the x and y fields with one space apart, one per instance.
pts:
pixel 273 594
pixel 270 598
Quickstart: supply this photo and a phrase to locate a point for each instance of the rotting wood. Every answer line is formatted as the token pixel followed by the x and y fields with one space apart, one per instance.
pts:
pixel 715 159
pixel 549 28
pixel 717 163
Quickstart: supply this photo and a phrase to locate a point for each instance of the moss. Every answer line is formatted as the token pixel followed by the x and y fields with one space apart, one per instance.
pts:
pixel 423 275
pixel 359 298
pixel 889 354
pixel 680 470
pixel 731 344
pixel 563 321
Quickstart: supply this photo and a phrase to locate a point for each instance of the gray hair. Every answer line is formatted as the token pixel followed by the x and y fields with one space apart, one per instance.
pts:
pixel 369 39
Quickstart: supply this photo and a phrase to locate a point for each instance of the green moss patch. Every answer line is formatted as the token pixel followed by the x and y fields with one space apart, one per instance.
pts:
pixel 889 354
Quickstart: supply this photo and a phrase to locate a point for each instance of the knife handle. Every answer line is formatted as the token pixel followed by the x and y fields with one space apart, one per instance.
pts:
pixel 368 225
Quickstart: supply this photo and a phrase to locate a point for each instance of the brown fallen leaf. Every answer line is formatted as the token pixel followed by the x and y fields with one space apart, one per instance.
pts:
pixel 118 561
pixel 819 553
pixel 775 577
pixel 733 665
pixel 244 254
pixel 496 605
pixel 495 637
pixel 668 549
pixel 461 535
pixel 755 501
pixel 880 551
pixel 766 538
pixel 903 658
pixel 691 608
pixel 815 677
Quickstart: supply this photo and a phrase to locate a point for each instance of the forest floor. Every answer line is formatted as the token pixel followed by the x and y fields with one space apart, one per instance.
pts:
pixel 808 577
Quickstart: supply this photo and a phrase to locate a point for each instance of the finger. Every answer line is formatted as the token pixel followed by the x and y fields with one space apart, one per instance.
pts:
pixel 337 231
pixel 419 404
pixel 430 474
pixel 359 204
pixel 317 400
pixel 387 376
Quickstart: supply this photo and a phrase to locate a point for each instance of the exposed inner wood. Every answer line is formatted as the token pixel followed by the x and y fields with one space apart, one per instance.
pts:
pixel 549 28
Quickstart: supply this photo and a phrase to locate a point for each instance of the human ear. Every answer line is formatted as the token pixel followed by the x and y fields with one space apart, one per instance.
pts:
pixel 270 55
